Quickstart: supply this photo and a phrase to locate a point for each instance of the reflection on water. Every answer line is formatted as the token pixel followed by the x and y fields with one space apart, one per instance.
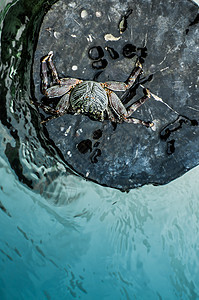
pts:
pixel 65 238
pixel 103 244
pixel 25 145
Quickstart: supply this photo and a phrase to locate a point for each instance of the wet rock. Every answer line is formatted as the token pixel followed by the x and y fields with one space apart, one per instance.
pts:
pixel 97 134
pixel 84 146
pixel 129 51
pixel 123 22
pixel 95 53
pixel 113 54
pixel 99 64
pixel 164 35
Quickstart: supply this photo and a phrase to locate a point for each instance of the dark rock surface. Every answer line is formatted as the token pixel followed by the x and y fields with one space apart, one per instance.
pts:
pixel 164 34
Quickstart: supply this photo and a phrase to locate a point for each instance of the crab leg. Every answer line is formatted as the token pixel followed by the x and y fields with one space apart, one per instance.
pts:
pixel 52 67
pixel 111 116
pixel 44 74
pixel 60 109
pixel 48 119
pixel 138 103
pixel 138 121
pixel 121 86
pixel 135 73
pixel 46 108
pixel 48 59
pixel 63 104
pixel 63 85
pixel 124 114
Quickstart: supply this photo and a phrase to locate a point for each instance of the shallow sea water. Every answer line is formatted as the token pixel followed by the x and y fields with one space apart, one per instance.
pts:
pixel 62 237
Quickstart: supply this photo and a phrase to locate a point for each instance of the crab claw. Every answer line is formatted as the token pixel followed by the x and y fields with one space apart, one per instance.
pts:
pixel 147 93
pixel 138 64
pixel 50 53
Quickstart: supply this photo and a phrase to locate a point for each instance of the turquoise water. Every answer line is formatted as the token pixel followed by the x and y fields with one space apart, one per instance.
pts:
pixel 62 237
pixel 100 243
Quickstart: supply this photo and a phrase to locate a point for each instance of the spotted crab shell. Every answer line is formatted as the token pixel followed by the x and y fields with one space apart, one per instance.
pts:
pixel 89 97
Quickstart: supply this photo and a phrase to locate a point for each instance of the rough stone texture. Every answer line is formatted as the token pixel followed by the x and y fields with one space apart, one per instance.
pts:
pixel 127 155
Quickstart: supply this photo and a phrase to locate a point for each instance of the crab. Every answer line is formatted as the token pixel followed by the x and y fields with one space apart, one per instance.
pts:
pixel 90 97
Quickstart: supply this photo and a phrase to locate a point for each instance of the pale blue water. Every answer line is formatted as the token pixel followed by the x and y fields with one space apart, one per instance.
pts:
pixel 67 238
pixel 100 243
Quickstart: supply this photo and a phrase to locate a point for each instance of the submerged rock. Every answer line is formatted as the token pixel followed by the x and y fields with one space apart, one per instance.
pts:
pixel 164 38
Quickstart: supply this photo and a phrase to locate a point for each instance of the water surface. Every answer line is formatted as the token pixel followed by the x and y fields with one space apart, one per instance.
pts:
pixel 65 238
